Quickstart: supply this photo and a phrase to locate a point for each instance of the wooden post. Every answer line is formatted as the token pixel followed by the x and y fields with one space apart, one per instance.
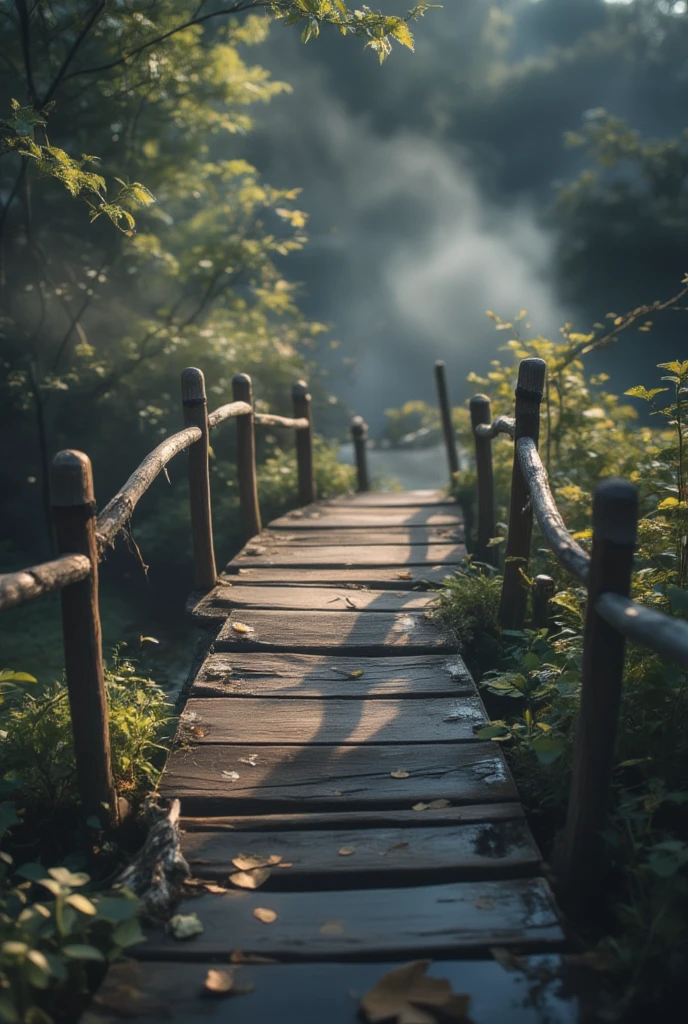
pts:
pixel 195 407
pixel 73 509
pixel 359 433
pixel 242 391
pixel 301 403
pixel 579 853
pixel 542 592
pixel 512 605
pixel 447 425
pixel 481 413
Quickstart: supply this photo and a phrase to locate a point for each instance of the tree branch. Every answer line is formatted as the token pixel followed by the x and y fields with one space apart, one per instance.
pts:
pixel 72 52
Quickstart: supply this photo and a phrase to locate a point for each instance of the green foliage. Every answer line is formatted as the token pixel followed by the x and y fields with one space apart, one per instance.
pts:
pixel 37 752
pixel 53 931
pixel 414 423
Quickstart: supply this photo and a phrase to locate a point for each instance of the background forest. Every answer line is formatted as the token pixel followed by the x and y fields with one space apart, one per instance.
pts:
pixel 511 161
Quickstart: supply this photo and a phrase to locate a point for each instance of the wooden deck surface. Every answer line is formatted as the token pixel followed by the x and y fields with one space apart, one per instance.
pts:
pixel 332 728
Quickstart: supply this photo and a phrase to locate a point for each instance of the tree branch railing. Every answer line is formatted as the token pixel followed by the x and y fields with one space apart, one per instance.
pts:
pixel 611 616
pixel 84 538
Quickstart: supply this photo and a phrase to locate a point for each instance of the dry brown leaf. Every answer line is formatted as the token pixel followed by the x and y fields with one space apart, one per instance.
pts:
pixel 245 572
pixel 406 995
pixel 332 928
pixel 436 805
pixel 218 983
pixel 420 806
pixel 346 851
pixel 237 957
pixel 241 627
pixel 400 774
pixel 216 890
pixel 230 775
pixel 265 915
pixel 250 879
pixel 249 861
pixel 404 575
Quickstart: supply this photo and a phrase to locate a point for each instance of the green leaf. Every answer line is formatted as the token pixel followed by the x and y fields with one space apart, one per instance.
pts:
pixel 82 904
pixel 73 879
pixel 81 951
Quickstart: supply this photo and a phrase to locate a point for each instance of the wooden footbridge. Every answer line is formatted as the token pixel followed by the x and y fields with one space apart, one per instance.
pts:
pixel 339 815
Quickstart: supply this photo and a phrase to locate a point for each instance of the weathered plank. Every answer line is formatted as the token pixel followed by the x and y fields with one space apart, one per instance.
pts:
pixel 342 556
pixel 411 578
pixel 381 856
pixel 319 517
pixel 215 605
pixel 429 816
pixel 299 779
pixel 308 675
pixel 393 499
pixel 429 920
pixel 266 720
pixel 358 536
pixel 303 993
pixel 316 632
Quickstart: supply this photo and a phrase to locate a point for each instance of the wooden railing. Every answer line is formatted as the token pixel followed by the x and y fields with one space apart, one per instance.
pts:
pixel 611 616
pixel 83 539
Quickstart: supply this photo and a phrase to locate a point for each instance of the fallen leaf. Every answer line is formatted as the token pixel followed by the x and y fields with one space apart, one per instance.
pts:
pixel 265 915
pixel 218 983
pixel 231 775
pixel 483 904
pixel 337 792
pixel 185 926
pixel 346 851
pixel 398 846
pixel 249 861
pixel 406 995
pixel 508 960
pixel 237 957
pixel 250 879
pixel 216 890
pixel 356 674
pixel 251 759
pixel 436 805
pixel 404 575
pixel 399 774
pixel 245 572
pixel 420 806
pixel 241 627
pixel 331 928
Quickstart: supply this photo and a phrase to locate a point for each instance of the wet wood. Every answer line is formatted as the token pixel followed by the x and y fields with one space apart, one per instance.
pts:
pixel 264 720
pixel 437 817
pixel 302 993
pixel 381 856
pixel 288 779
pixel 307 675
pixel 428 920
pixel 393 499
pixel 345 557
pixel 216 606
pixel 322 517
pixel 364 633
pixel 391 578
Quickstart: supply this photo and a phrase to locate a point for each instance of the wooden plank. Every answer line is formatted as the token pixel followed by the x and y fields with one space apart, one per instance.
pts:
pixel 344 557
pixel 393 499
pixel 215 605
pixel 382 856
pixel 399 578
pixel 319 516
pixel 323 632
pixel 313 993
pixel 358 536
pixel 266 720
pixel 288 721
pixel 429 920
pixel 436 817
pixel 308 675
pixel 288 779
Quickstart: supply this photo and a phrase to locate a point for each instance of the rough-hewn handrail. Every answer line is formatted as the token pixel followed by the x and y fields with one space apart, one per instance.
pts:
pixel 227 412
pixel 266 419
pixel 663 633
pixel 119 510
pixel 569 554
pixel 24 585
pixel 502 425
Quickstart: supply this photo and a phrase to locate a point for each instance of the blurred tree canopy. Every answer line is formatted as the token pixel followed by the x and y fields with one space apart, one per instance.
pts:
pixel 135 239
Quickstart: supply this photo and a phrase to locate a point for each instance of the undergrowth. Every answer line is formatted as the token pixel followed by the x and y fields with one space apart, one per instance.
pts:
pixel 531 679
